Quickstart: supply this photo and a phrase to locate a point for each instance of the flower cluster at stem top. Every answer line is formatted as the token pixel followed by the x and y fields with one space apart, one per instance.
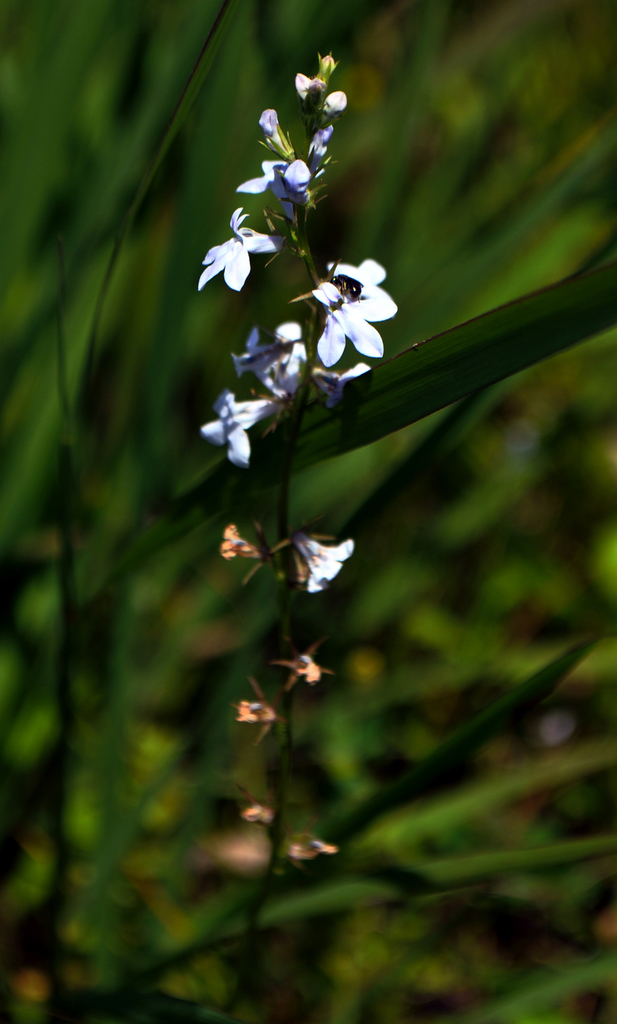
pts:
pixel 348 300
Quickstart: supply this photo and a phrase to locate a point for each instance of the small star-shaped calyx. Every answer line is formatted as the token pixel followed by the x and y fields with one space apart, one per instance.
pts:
pixel 309 847
pixel 235 546
pixel 304 665
pixel 257 712
pixel 257 812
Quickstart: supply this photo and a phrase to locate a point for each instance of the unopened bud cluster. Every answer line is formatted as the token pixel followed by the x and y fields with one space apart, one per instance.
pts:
pixel 318 109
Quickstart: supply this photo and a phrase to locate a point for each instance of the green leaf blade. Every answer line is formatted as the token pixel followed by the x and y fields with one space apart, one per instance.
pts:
pixel 456 750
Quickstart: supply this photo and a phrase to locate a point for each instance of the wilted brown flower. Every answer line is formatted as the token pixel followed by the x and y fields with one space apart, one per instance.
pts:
pixel 233 545
pixel 257 711
pixel 309 848
pixel 304 665
pixel 257 812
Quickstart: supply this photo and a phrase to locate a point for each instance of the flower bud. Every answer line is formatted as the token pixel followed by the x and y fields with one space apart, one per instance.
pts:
pixel 326 67
pixel 333 107
pixel 319 145
pixel 275 140
pixel 309 87
pixel 296 178
pixel 269 124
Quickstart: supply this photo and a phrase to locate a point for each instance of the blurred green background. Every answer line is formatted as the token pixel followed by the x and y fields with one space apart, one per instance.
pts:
pixel 477 161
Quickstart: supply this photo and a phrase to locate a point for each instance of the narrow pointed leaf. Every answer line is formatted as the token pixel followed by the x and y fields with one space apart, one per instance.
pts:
pixel 443 437
pixel 398 834
pixel 182 108
pixel 539 990
pixel 477 867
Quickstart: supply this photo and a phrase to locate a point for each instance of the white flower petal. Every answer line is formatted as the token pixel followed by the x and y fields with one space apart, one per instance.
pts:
pixel 324 560
pixel 334 383
pixel 217 252
pixel 209 273
pixel 239 448
pixel 269 168
pixel 331 345
pixel 327 294
pixel 224 403
pixel 252 342
pixel 238 268
pixel 255 185
pixel 314 585
pixel 366 339
pixel 248 413
pixel 254 241
pixel 236 220
pixel 371 272
pixel 214 432
pixel 343 551
pixel 289 372
pixel 375 304
pixel 290 331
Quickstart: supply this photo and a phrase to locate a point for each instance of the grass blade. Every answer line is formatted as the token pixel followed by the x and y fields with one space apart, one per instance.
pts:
pixel 183 106
pixel 456 750
pixel 399 833
pixel 477 867
pixel 541 989
pixel 446 434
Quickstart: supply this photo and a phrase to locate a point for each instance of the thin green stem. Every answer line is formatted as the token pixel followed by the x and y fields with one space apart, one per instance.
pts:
pixel 305 248
pixel 283 727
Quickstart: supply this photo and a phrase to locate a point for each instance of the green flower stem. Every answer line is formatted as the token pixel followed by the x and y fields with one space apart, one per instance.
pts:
pixel 282 728
pixel 305 248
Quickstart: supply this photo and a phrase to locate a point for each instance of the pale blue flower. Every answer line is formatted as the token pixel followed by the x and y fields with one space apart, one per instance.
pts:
pixel 234 420
pixel 272 179
pixel 324 561
pixel 288 182
pixel 232 257
pixel 333 383
pixel 279 364
pixel 347 316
